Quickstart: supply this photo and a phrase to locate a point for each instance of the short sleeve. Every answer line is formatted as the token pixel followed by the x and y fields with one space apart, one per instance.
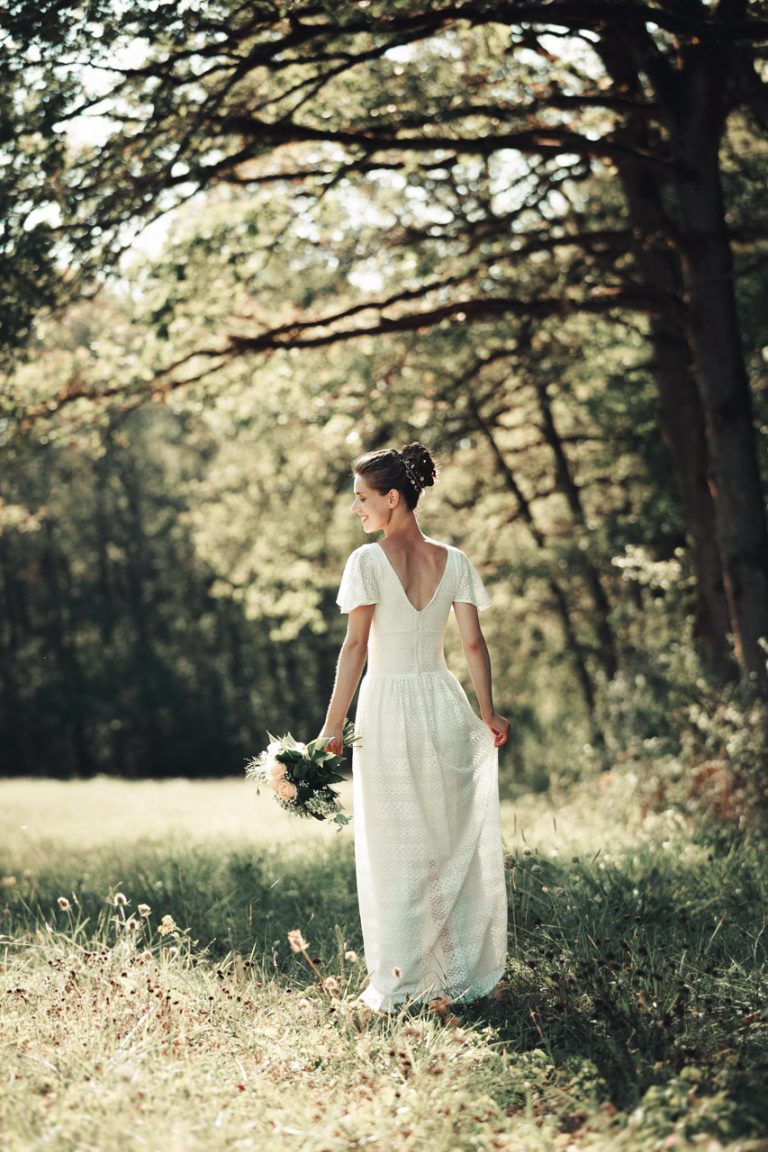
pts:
pixel 471 589
pixel 358 582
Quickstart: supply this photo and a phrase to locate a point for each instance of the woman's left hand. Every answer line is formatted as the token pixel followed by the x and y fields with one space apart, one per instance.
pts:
pixel 499 725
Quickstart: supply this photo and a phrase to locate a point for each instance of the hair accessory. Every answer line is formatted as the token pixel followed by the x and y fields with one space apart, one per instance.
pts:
pixel 411 474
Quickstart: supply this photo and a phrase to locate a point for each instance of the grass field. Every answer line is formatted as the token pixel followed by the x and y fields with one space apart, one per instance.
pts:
pixel 150 999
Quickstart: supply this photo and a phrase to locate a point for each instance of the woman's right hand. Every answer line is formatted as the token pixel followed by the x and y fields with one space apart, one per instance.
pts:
pixel 499 725
pixel 334 734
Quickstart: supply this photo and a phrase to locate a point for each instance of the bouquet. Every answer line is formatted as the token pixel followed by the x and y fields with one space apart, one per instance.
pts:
pixel 301 775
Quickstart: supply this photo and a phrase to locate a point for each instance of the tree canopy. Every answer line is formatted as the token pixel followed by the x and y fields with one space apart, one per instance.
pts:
pixel 530 233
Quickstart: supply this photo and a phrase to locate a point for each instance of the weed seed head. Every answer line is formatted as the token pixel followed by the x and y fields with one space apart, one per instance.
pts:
pixel 297 941
pixel 63 903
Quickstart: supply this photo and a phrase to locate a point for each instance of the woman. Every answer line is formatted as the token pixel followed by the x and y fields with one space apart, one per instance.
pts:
pixel 428 852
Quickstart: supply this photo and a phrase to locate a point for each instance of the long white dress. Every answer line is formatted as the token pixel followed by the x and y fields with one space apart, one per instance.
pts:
pixel 428 849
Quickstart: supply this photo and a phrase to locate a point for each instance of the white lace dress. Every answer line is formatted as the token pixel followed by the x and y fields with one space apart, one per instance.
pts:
pixel 428 850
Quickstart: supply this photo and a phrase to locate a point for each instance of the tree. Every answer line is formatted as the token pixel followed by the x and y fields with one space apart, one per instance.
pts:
pixel 313 97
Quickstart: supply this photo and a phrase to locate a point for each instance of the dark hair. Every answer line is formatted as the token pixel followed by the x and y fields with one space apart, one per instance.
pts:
pixel 410 470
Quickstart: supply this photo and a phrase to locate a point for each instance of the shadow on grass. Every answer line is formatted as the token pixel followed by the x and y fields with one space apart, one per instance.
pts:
pixel 649 971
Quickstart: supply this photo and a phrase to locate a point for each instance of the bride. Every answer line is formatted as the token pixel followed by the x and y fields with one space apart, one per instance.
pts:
pixel 428 850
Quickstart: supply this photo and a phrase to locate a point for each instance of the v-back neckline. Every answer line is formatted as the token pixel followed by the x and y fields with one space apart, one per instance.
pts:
pixel 402 586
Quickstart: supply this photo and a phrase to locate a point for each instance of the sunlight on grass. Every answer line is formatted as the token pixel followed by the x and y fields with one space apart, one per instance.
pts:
pixel 151 998
pixel 35 814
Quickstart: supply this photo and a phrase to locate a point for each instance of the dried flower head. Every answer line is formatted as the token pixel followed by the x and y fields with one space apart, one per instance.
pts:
pixel 7 881
pixel 297 941
pixel 120 900
pixel 166 926
pixel 63 903
pixel 351 956
pixel 132 924
pixel 143 909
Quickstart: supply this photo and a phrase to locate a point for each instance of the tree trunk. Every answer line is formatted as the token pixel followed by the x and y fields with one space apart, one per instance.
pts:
pixel 605 646
pixel 681 411
pixel 694 119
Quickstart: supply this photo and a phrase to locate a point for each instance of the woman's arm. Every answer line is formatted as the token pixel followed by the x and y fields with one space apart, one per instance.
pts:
pixel 348 671
pixel 479 665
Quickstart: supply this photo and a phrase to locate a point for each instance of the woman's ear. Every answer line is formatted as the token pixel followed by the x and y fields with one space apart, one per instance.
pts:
pixel 393 496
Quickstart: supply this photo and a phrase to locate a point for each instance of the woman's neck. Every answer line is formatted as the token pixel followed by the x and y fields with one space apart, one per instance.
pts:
pixel 403 528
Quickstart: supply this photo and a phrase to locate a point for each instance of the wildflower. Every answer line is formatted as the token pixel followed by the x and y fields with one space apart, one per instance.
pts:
pixel 286 790
pixel 63 903
pixel 331 985
pixel 143 910
pixel 166 926
pixel 132 924
pixel 120 900
pixel 351 956
pixel 7 881
pixel 297 941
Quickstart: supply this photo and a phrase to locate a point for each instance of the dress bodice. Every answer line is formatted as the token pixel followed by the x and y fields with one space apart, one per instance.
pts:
pixel 404 640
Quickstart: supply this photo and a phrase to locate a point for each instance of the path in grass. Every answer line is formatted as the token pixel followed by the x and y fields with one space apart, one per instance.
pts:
pixel 631 1016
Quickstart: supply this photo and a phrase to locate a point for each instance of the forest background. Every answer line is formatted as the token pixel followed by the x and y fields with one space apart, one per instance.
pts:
pixel 241 243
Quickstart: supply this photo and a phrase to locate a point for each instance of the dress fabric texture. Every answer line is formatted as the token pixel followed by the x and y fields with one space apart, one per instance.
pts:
pixel 428 849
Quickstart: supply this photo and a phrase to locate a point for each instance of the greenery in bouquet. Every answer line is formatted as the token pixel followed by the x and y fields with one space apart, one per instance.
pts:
pixel 301 776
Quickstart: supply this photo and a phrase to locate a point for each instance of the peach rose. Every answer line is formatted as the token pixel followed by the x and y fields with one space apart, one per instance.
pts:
pixel 275 773
pixel 286 790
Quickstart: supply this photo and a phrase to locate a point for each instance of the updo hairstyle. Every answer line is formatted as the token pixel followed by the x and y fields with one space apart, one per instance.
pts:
pixel 410 471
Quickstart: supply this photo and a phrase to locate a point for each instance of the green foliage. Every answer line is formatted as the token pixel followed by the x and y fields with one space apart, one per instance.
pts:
pixel 381 233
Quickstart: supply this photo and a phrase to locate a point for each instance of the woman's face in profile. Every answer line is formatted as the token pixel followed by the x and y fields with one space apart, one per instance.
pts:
pixel 373 509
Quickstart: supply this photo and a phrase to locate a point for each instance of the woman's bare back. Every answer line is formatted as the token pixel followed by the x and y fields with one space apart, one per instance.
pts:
pixel 419 566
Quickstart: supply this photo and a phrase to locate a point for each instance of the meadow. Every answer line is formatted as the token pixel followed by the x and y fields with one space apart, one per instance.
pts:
pixel 151 998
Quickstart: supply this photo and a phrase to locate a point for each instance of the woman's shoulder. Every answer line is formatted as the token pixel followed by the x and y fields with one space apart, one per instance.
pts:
pixel 363 557
pixel 364 550
pixel 451 549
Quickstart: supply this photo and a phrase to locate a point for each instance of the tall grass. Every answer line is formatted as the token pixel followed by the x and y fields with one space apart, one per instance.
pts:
pixel 151 999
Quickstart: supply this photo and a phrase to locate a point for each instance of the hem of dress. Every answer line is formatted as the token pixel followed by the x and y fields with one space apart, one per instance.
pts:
pixel 386 1002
